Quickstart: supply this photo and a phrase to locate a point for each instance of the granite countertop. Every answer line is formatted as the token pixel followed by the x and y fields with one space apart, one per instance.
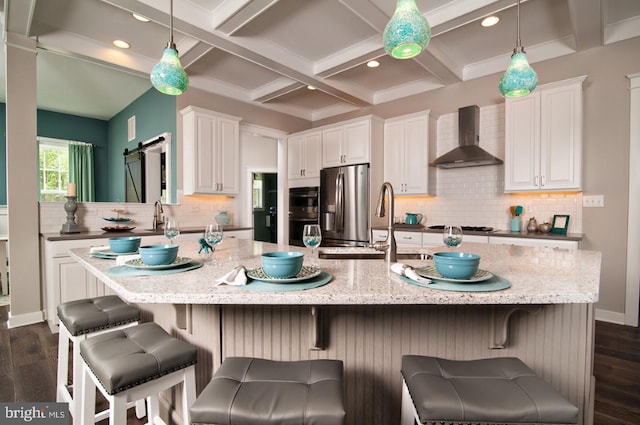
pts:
pixel 501 233
pixel 537 276
pixel 134 232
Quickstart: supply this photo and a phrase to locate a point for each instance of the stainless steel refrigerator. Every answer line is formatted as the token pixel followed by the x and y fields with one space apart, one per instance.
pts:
pixel 344 205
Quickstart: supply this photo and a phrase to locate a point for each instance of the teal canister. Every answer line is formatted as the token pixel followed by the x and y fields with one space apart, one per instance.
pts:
pixel 222 218
pixel 516 224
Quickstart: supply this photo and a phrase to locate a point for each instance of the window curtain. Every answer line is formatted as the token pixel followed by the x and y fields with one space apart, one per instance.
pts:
pixel 81 170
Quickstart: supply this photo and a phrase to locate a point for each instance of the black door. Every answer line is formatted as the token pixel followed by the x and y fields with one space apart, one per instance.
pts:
pixel 265 202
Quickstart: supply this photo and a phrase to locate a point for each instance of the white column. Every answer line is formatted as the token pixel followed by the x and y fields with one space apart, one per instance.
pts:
pixel 22 179
pixel 633 247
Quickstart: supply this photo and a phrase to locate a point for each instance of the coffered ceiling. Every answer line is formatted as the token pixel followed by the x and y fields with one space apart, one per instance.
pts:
pixel 266 52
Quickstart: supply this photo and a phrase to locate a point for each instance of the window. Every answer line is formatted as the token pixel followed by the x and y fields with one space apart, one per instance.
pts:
pixel 53 169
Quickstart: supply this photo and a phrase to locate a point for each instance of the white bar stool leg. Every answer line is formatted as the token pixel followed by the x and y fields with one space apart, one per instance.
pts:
pixel 408 415
pixel 188 393
pixel 62 393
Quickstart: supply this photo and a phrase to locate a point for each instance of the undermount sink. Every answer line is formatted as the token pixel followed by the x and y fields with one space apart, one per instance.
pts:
pixel 363 253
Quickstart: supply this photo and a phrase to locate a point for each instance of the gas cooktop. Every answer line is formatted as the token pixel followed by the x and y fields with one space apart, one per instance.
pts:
pixel 466 228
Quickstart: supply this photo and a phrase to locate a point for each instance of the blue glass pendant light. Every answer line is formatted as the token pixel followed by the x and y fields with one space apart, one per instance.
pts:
pixel 519 79
pixel 167 76
pixel 407 33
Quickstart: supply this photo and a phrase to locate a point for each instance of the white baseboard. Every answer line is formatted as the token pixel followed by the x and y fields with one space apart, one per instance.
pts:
pixel 610 316
pixel 25 319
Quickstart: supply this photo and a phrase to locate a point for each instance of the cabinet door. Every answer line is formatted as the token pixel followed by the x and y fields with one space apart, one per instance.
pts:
pixel 295 157
pixel 394 156
pixel 73 279
pixel 205 154
pixel 355 147
pixel 332 147
pixel 313 154
pixel 560 138
pixel 227 144
pixel 416 156
pixel 522 152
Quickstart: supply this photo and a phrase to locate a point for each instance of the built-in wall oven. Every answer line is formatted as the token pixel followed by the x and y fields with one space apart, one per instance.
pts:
pixel 303 209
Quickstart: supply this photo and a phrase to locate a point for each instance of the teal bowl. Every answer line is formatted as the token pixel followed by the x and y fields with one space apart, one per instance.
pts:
pixel 282 264
pixel 456 265
pixel 158 255
pixel 124 244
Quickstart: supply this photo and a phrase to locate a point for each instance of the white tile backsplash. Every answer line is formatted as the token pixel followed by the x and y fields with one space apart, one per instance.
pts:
pixel 191 211
pixel 474 196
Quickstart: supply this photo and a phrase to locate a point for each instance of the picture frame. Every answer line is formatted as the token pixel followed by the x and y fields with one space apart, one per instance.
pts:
pixel 560 224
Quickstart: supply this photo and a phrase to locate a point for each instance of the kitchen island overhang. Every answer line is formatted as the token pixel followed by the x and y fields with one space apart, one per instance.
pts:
pixel 368 317
pixel 537 276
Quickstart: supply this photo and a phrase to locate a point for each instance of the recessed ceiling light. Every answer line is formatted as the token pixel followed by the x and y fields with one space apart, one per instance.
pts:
pixel 140 17
pixel 373 64
pixel 121 44
pixel 311 87
pixel 490 21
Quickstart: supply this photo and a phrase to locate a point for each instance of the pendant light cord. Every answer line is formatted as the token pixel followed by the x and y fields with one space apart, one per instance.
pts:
pixel 518 41
pixel 171 43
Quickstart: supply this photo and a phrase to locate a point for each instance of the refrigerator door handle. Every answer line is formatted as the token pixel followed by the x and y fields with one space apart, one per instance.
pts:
pixel 340 202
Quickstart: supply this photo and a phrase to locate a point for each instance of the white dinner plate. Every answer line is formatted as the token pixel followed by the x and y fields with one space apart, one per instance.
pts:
pixel 137 263
pixel 107 253
pixel 117 219
pixel 430 272
pixel 307 272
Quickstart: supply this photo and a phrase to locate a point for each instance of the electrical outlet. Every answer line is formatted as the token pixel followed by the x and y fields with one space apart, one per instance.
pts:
pixel 593 201
pixel 528 209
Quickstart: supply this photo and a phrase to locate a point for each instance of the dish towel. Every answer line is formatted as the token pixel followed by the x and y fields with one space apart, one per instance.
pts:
pixel 408 271
pixel 235 277
pixel 122 259
pixel 95 249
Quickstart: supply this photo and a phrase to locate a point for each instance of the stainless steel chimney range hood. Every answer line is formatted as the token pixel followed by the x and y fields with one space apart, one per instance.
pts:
pixel 468 153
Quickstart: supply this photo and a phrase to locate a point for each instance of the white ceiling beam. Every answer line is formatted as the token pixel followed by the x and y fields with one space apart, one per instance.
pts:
pixel 18 15
pixel 275 89
pixel 233 15
pixel 586 23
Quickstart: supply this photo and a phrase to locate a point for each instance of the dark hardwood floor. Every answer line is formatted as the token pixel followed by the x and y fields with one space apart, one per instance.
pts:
pixel 28 369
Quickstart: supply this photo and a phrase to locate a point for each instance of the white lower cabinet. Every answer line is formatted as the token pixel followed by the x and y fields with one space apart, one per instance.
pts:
pixel 548 243
pixel 435 239
pixel 64 279
pixel 403 239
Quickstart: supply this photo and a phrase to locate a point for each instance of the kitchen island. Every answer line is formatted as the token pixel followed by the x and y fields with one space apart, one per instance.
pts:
pixel 369 317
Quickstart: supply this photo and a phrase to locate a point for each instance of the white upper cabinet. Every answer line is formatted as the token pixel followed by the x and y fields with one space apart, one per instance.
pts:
pixel 407 144
pixel 211 152
pixel 304 158
pixel 347 143
pixel 543 138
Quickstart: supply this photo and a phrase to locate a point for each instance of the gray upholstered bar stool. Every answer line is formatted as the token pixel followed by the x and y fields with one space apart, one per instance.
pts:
pixel 133 364
pixel 79 320
pixel 496 391
pixel 254 391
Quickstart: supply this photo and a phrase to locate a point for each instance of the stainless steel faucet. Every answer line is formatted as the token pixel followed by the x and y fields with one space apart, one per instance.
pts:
pixel 157 215
pixel 389 244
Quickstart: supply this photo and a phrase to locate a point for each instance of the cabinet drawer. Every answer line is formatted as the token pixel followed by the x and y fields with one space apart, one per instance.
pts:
pixel 408 238
pixel 549 243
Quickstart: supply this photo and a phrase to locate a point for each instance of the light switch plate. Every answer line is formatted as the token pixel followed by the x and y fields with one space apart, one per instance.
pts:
pixel 593 201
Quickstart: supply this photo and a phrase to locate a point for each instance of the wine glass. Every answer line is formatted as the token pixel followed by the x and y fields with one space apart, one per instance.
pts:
pixel 171 229
pixel 311 236
pixel 213 235
pixel 452 236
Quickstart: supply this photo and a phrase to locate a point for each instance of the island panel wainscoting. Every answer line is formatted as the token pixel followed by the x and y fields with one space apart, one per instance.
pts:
pixel 368 317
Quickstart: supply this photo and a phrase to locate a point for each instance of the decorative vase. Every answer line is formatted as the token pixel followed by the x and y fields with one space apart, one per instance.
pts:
pixel 223 218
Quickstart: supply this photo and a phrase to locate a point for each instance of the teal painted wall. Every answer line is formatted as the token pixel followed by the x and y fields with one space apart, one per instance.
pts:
pixel 67 127
pixel 89 130
pixel 3 154
pixel 155 114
